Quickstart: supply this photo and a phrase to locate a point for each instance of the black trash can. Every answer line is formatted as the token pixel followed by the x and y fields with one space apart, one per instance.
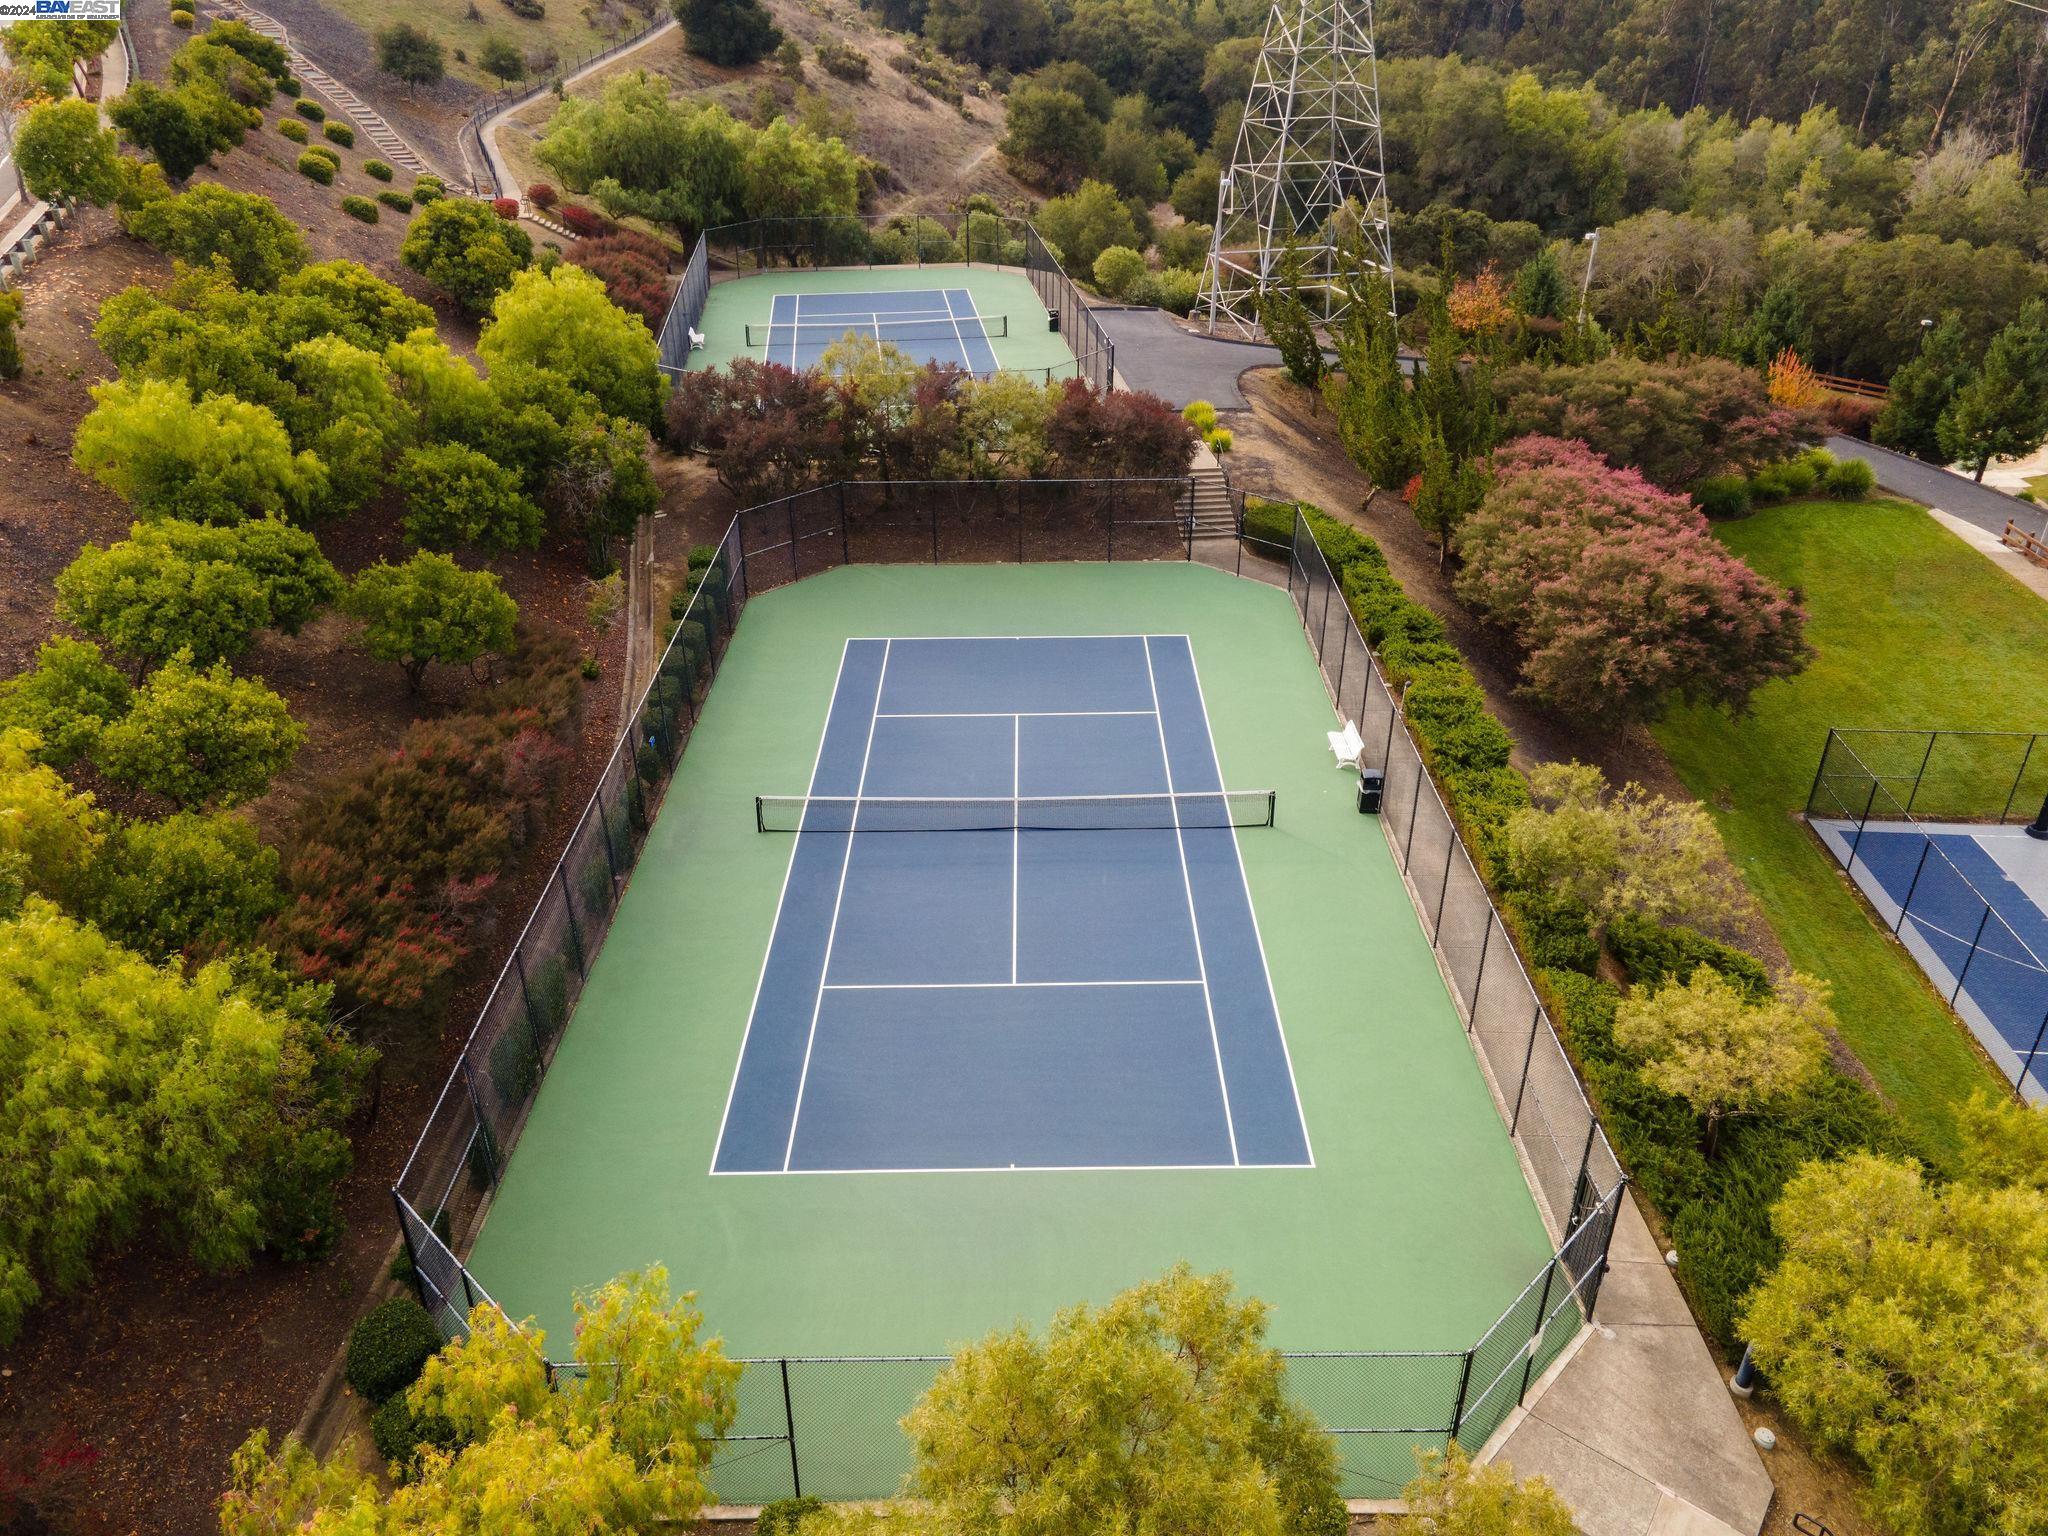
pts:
pixel 1052 319
pixel 1371 785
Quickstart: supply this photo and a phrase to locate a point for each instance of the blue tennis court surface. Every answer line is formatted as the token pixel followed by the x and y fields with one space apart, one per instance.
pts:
pixel 1010 991
pixel 1968 902
pixel 938 325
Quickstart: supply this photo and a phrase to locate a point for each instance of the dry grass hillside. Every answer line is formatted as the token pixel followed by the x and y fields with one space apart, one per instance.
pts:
pixel 935 153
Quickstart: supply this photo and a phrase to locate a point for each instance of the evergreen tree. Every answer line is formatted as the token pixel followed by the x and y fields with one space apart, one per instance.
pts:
pixel 2002 411
pixel 1290 326
pixel 1922 390
pixel 1777 323
pixel 728 32
pixel 1540 289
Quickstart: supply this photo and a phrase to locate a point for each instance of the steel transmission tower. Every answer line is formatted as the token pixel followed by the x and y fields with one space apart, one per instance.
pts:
pixel 1308 170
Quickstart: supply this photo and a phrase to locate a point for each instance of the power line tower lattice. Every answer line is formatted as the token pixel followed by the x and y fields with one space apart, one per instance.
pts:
pixel 1308 174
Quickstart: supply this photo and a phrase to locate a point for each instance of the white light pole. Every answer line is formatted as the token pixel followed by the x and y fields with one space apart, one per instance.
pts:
pixel 1586 287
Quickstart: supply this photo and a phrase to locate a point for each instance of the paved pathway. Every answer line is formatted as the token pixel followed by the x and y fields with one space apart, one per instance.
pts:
pixel 1156 355
pixel 1635 1427
pixel 498 172
pixel 1934 486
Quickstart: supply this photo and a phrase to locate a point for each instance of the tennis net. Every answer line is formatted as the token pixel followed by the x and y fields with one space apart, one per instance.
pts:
pixel 783 333
pixel 1188 810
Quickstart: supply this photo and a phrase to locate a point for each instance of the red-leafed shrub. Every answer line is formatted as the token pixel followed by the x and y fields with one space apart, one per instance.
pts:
pixel 388 866
pixel 1677 422
pixel 1127 434
pixel 634 268
pixel 1619 599
pixel 585 222
pixel 767 429
pixel 1850 415
pixel 541 195
pixel 507 207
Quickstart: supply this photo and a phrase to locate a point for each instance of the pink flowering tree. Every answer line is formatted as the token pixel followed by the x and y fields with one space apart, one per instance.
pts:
pixel 1618 597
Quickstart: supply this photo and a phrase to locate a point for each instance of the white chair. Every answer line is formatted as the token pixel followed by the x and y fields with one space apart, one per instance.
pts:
pixel 696 339
pixel 1347 745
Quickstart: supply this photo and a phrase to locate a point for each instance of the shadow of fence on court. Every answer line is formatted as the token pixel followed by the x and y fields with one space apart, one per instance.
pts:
pixel 829 1426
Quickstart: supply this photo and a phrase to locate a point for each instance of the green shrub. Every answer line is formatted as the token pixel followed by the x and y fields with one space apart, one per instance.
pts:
pixel 785 1517
pixel 514 1065
pixel 181 19
pixel 1117 271
pixel 1722 496
pixel 427 189
pixel 1653 954
pixel 397 200
pixel 377 170
pixel 292 129
pixel 325 153
pixel 398 1433
pixel 359 208
pixel 1199 414
pixel 317 167
pixel 389 1348
pixel 288 85
pixel 1173 289
pixel 1268 523
pixel 1556 934
pixel 312 111
pixel 1852 480
pixel 1219 439
pixel 340 133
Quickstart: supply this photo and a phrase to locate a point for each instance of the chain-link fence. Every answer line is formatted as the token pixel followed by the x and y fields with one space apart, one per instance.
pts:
pixel 686 310
pixel 829 1427
pixel 1912 817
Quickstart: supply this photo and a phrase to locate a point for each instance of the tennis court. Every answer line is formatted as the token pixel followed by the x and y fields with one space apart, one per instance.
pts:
pixel 930 325
pixel 985 320
pixel 1970 902
pixel 1012 824
pixel 1015 931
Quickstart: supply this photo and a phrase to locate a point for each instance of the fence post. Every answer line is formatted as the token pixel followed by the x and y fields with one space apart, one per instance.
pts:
pixel 935 532
pixel 1414 811
pixel 2018 778
pixel 845 536
pixel 2028 1065
pixel 1914 793
pixel 1528 1055
pixel 575 928
pixel 1606 1246
pixel 412 1254
pixel 604 824
pixel 1536 1338
pixel 796 1477
pixel 1110 554
pixel 789 516
pixel 1464 1385
pixel 1862 821
pixel 1436 932
pixel 1926 846
pixel 1585 1162
pixel 483 1124
pixel 1479 977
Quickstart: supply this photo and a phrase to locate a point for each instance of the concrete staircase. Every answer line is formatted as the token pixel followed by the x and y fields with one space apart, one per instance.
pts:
pixel 1214 510
pixel 382 136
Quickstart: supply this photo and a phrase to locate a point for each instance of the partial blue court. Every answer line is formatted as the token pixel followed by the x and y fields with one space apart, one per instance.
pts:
pixel 931 325
pixel 1015 931
pixel 1970 903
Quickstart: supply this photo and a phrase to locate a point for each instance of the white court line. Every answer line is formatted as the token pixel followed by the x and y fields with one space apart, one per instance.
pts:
pixel 999 986
pixel 1003 714
pixel 832 933
pixel 801 1173
pixel 1016 830
pixel 1194 922
pixel 1250 906
pixel 782 895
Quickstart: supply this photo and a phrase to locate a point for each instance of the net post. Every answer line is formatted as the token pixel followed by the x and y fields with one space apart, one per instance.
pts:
pixel 1272 796
pixel 760 822
pixel 796 1477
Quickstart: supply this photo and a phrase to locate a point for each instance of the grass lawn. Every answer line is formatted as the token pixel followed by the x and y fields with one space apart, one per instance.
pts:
pixel 1914 628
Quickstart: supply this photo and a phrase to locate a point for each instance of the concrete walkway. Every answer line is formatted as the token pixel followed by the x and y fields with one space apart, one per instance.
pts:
pixel 1155 354
pixel 1933 486
pixel 1634 1426
pixel 497 170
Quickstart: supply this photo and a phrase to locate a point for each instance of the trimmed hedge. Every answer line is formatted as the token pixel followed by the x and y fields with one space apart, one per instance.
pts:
pixel 1653 954
pixel 377 170
pixel 389 1348
pixel 340 133
pixel 312 111
pixel 359 208
pixel 397 200
pixel 288 85
pixel 427 189
pixel 317 167
pixel 293 129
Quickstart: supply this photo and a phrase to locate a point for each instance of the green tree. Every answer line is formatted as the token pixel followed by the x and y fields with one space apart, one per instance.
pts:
pixel 10 333
pixel 1118 270
pixel 407 54
pixel 1086 222
pixel 1052 139
pixel 1451 1497
pixel 789 172
pixel 994 34
pixel 1289 325
pixel 727 32
pixel 501 58
pixel 174 586
pixel 185 883
pixel 212 1116
pixel 1776 324
pixel 211 223
pixel 218 460
pixel 51 840
pixel 466 250
pixel 430 609
pixel 2002 410
pixel 563 321
pixel 1922 391
pixel 602 486
pixel 63 153
pixel 1162 1410
pixel 1903 1328
pixel 1723 1052
pixel 455 496
pixel 1540 290
pixel 1375 413
pixel 163 124
pixel 67 699
pixel 200 737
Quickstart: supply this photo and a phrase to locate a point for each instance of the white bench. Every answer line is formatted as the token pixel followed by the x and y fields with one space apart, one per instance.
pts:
pixel 1347 745
pixel 696 339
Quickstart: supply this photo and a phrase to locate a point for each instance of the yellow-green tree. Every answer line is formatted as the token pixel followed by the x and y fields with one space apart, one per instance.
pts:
pixel 1905 1326
pixel 1451 1497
